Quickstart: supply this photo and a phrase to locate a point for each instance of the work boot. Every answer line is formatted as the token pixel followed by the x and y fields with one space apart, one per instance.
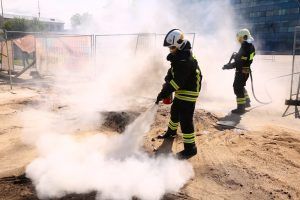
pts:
pixel 167 134
pixel 239 110
pixel 248 103
pixel 189 151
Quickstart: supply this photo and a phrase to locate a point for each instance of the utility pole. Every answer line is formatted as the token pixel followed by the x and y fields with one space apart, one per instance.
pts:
pixel 6 44
pixel 39 10
pixel 2 16
pixel 298 1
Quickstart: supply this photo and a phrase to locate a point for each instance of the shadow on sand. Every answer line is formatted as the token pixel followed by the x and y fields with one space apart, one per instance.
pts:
pixel 165 147
pixel 230 121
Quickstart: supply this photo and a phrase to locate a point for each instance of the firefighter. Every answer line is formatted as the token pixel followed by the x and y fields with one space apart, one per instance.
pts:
pixel 184 78
pixel 242 62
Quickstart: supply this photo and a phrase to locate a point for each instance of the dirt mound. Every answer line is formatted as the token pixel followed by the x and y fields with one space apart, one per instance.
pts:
pixel 117 121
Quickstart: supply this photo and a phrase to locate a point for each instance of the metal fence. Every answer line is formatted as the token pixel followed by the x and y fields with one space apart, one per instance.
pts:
pixel 55 53
pixel 50 53
pixel 294 99
pixel 134 43
pixel 44 52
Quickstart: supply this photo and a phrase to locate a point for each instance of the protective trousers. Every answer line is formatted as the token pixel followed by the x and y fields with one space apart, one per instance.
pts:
pixel 183 112
pixel 239 88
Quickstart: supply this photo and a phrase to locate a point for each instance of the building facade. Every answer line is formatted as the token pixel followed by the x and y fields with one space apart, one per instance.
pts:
pixel 272 22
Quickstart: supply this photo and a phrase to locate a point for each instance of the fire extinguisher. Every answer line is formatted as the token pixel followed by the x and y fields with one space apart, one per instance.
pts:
pixel 169 99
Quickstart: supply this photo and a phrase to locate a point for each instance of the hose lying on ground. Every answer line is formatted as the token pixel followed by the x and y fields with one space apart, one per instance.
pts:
pixel 266 90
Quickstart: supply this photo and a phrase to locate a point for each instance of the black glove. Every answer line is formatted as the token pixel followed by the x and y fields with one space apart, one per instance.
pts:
pixel 234 55
pixel 228 66
pixel 159 98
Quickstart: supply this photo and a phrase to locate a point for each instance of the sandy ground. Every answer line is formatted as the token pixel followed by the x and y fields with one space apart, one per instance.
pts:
pixel 260 159
pixel 231 163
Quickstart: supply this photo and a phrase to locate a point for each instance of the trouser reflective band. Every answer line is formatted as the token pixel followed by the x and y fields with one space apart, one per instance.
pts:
pixel 188 137
pixel 246 94
pixel 173 126
pixel 241 101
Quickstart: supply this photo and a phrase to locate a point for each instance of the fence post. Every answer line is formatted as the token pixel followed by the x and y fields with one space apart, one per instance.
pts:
pixel 8 63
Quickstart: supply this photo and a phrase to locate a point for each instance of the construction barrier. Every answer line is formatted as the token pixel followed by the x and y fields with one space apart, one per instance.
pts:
pixel 132 44
pixel 52 53
pixel 6 55
pixel 294 98
pixel 55 53
pixel 26 43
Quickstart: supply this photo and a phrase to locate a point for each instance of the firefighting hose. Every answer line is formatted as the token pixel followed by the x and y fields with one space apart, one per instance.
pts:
pixel 252 81
pixel 253 91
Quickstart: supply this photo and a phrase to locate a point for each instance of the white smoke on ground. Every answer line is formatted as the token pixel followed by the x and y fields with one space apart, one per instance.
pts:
pixel 115 167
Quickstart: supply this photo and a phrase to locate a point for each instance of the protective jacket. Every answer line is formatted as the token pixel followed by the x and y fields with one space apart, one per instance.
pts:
pixel 244 58
pixel 184 77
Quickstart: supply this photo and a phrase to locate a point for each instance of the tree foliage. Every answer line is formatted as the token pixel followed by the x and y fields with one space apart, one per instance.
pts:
pixel 81 20
pixel 21 24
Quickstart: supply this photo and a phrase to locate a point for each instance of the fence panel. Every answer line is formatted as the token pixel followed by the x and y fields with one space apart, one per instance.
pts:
pixel 62 52
pixel 6 55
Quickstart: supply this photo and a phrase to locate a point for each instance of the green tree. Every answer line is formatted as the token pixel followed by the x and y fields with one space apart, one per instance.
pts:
pixel 16 24
pixel 76 20
pixel 79 20
pixel 21 24
pixel 35 25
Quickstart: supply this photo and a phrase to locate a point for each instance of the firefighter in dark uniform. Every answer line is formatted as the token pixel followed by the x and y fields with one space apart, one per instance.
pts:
pixel 242 62
pixel 184 78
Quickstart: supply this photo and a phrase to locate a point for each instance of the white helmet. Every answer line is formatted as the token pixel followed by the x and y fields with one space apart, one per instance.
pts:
pixel 245 35
pixel 175 38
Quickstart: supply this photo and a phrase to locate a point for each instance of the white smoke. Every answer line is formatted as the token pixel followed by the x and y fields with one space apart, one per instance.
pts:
pixel 114 166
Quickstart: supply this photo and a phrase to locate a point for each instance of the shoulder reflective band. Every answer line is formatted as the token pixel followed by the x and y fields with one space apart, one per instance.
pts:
pixel 175 86
pixel 198 79
pixel 194 57
pixel 252 56
pixel 244 58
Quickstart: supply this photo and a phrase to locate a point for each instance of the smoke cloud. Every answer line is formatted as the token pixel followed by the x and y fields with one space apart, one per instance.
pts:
pixel 73 157
pixel 114 166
